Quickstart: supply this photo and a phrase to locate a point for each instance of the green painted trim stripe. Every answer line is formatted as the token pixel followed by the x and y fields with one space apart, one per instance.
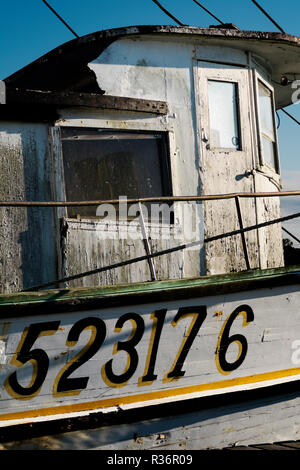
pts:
pixel 168 290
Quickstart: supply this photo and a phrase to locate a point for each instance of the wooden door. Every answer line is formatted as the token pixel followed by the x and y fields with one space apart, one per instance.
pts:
pixel 226 149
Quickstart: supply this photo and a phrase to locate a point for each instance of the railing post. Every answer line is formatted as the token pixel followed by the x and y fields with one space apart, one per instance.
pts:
pixel 147 244
pixel 240 219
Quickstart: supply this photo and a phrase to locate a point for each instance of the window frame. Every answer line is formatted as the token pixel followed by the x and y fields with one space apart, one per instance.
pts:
pixel 165 163
pixel 238 114
pixel 238 75
pixel 262 162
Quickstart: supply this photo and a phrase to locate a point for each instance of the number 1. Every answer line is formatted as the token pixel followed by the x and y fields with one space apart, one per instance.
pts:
pixel 158 318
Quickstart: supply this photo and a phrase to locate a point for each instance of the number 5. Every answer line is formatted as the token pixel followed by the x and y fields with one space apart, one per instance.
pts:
pixel 38 357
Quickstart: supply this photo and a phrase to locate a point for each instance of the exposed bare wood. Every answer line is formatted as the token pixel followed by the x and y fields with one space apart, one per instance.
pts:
pixel 94 100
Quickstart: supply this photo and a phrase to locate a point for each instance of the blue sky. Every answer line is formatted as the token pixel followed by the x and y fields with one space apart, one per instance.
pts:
pixel 28 29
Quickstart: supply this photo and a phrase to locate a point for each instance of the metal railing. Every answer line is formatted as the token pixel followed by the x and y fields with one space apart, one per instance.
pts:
pixel 149 256
pixel 147 199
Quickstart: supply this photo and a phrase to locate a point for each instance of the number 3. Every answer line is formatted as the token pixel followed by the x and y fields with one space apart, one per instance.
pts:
pixel 138 327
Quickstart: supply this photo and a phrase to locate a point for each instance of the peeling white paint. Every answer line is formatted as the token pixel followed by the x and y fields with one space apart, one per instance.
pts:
pixel 174 70
pixel 3 357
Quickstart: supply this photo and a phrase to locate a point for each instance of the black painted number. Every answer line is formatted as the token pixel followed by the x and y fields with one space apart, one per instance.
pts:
pixel 225 340
pixel 138 327
pixel 38 358
pixel 24 389
pixel 198 314
pixel 66 384
pixel 158 318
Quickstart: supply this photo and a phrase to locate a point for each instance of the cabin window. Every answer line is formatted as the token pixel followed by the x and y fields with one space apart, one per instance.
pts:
pixel 223 115
pixel 267 131
pixel 102 164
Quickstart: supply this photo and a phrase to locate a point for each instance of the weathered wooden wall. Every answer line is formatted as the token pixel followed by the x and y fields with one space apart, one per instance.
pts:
pixel 169 70
pixel 268 420
pixel 27 235
pixel 89 245
pixel 269 238
pixel 143 68
pixel 164 70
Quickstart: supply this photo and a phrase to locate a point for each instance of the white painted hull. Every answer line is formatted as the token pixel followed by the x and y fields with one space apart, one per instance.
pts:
pixel 193 367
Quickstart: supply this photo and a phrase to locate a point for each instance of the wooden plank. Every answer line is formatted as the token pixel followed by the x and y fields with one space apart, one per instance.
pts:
pixel 94 100
pixel 211 423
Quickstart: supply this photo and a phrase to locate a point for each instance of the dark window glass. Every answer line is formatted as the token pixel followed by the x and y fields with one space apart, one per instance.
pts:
pixel 106 164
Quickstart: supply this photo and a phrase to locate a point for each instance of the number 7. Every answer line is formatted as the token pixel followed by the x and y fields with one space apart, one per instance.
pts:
pixel 199 314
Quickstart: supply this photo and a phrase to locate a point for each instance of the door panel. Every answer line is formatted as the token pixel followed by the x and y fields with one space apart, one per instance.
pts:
pixel 226 164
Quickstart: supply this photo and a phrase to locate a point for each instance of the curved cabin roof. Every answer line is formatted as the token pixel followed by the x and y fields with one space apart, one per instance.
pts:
pixel 65 68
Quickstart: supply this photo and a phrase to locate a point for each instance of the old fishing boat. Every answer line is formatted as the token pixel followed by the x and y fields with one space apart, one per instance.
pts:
pixel 145 303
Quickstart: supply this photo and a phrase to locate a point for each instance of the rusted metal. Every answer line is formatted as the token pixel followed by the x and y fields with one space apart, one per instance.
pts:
pixel 146 199
pixel 94 100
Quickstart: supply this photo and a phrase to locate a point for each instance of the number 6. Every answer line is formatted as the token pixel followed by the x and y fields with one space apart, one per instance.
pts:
pixel 225 340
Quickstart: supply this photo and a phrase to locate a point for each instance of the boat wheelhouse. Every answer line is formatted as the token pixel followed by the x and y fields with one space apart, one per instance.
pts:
pixel 142 263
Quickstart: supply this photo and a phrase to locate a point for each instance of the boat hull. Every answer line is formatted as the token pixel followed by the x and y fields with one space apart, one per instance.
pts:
pixel 146 362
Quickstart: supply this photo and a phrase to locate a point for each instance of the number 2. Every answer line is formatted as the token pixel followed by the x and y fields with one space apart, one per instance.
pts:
pixel 71 386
